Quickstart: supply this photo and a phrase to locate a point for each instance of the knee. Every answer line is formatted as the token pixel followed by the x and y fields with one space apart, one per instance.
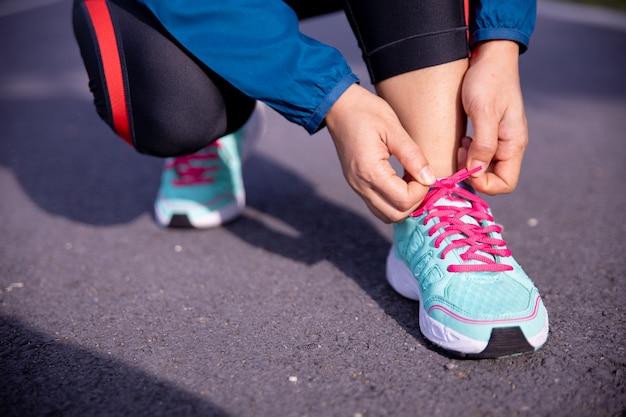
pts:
pixel 164 134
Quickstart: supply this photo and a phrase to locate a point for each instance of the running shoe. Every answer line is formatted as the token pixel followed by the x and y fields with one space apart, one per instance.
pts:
pixel 205 189
pixel 475 299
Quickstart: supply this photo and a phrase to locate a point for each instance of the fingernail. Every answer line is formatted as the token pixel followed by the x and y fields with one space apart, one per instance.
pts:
pixel 426 176
pixel 475 165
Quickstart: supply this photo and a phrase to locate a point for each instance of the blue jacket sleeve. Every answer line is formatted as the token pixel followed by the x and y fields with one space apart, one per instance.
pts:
pixel 256 45
pixel 502 19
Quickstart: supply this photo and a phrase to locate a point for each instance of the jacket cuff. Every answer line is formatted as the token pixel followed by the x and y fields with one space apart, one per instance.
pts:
pixel 482 35
pixel 316 121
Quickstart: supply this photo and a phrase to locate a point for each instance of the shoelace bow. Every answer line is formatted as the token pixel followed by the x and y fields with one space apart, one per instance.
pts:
pixel 475 236
pixel 190 169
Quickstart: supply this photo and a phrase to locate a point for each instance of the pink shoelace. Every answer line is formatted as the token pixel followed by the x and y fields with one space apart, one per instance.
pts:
pixel 473 235
pixel 190 169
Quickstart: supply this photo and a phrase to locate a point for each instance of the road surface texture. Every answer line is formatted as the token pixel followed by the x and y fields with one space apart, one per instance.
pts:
pixel 286 312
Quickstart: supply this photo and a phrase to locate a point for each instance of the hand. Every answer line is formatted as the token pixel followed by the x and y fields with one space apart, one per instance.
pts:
pixel 492 99
pixel 366 132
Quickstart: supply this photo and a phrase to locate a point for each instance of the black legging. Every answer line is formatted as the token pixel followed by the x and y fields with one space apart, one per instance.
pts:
pixel 398 36
pixel 177 105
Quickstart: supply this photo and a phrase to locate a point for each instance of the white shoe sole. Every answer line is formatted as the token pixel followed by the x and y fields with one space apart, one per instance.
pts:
pixel 402 280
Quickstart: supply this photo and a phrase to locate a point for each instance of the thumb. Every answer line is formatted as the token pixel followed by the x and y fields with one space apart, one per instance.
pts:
pixel 411 158
pixel 483 145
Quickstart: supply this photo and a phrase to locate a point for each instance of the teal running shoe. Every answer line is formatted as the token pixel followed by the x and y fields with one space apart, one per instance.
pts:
pixel 206 189
pixel 475 300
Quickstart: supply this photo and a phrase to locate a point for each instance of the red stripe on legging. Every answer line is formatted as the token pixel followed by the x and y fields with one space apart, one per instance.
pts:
pixel 467 19
pixel 105 34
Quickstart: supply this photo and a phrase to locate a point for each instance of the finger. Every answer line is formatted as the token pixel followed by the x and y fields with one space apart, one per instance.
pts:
pixel 376 212
pixel 503 174
pixel 462 152
pixel 491 182
pixel 396 198
pixel 381 188
pixel 379 205
pixel 411 158
pixel 501 178
pixel 483 145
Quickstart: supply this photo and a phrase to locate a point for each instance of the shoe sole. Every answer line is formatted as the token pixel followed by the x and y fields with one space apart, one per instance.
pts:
pixel 504 341
pixel 204 221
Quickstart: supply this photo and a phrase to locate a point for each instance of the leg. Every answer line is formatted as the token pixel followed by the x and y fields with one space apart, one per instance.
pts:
pixel 171 104
pixel 417 66
pixel 163 102
pixel 428 103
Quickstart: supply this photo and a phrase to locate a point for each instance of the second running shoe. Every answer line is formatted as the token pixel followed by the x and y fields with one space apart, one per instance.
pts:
pixel 206 189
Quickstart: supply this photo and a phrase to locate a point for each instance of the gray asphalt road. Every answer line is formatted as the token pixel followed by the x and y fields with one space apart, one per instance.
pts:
pixel 286 312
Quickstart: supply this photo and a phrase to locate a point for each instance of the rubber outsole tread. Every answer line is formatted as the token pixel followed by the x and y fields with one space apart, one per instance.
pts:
pixel 180 221
pixel 504 342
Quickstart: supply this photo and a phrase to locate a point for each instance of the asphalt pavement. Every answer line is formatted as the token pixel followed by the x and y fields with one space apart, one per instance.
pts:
pixel 286 312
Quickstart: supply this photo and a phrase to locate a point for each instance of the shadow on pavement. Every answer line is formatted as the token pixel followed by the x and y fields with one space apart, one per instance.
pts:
pixel 325 232
pixel 74 170
pixel 42 376
pixel 89 176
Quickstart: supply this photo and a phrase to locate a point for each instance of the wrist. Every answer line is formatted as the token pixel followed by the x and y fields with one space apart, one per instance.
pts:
pixel 344 103
pixel 504 51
